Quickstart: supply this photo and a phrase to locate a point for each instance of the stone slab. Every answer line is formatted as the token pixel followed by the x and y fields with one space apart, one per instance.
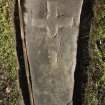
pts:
pixel 51 33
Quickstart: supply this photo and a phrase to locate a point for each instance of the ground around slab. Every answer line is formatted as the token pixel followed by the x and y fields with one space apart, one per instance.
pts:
pixel 8 73
pixel 95 91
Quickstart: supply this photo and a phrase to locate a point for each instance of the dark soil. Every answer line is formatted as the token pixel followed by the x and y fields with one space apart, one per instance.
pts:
pixel 83 53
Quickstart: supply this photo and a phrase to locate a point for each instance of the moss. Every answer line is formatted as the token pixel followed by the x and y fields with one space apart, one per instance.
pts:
pixel 8 85
pixel 95 92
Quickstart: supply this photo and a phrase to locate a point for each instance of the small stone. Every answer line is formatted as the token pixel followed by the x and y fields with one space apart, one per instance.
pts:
pixel 8 90
pixel 1 101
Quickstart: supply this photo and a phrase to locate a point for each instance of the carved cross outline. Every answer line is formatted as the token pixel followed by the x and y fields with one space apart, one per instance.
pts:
pixel 52 22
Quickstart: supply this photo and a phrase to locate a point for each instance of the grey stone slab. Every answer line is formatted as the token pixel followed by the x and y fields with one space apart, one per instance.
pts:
pixel 51 32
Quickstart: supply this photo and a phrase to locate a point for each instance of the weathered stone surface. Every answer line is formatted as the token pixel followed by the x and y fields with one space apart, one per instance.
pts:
pixel 51 32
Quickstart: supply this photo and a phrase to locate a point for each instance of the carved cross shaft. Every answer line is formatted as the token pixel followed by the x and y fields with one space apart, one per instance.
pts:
pixel 52 22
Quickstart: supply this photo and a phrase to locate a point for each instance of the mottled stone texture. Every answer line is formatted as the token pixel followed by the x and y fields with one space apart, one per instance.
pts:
pixel 51 32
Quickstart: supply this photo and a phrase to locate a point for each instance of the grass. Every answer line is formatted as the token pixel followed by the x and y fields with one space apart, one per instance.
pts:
pixel 95 92
pixel 8 78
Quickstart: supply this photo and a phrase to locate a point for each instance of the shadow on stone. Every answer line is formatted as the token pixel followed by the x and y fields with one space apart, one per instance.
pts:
pixel 22 73
pixel 83 57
